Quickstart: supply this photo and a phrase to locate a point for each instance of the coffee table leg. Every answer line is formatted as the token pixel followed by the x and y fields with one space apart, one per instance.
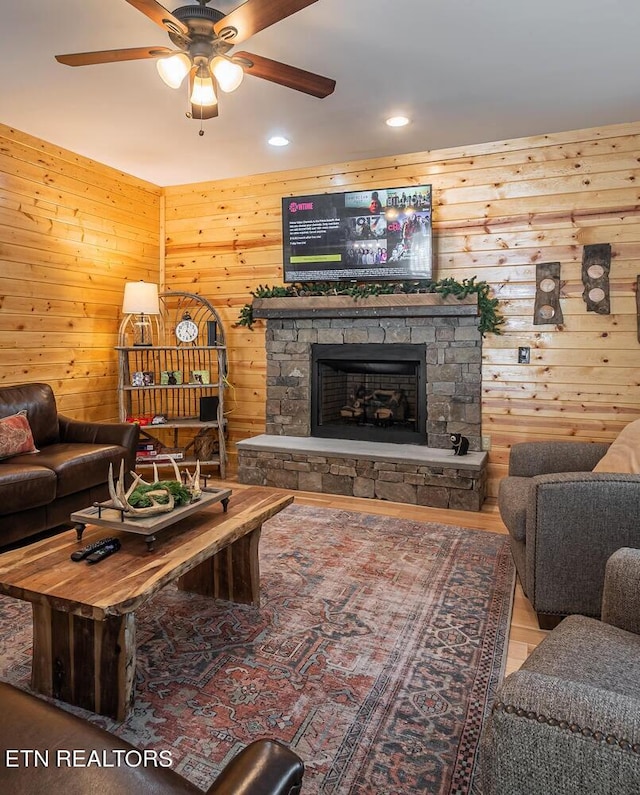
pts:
pixel 232 574
pixel 84 662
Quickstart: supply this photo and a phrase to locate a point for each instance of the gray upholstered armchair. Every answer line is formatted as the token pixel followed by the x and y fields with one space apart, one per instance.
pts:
pixel 564 522
pixel 568 722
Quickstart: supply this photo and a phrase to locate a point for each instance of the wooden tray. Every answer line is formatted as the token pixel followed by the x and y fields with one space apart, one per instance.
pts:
pixel 102 515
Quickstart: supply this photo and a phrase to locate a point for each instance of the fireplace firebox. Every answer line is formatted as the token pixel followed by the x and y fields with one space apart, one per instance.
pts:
pixel 369 392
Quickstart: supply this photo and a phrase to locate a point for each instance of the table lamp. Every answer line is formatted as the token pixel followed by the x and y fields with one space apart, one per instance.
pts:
pixel 141 299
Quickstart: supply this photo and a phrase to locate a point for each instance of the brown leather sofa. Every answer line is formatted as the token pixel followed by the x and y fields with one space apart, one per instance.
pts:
pixel 39 491
pixel 65 744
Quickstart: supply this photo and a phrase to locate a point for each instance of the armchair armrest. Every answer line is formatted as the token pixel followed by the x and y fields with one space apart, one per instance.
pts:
pixel 120 433
pixel 575 521
pixel 527 459
pixel 264 767
pixel 545 730
pixel 621 588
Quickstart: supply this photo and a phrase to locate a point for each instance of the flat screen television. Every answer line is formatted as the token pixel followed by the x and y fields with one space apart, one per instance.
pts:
pixel 367 235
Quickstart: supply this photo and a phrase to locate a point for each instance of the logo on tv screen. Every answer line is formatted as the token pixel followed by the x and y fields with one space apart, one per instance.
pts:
pixel 295 206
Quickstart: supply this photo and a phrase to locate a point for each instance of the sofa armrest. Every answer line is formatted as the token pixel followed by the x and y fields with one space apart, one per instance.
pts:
pixel 264 767
pixel 546 730
pixel 124 434
pixel 621 588
pixel 575 521
pixel 527 459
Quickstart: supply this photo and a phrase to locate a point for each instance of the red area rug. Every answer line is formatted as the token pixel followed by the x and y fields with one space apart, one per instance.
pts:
pixel 374 655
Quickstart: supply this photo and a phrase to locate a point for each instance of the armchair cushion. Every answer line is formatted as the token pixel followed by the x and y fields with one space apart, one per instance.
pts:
pixel 591 653
pixel 624 453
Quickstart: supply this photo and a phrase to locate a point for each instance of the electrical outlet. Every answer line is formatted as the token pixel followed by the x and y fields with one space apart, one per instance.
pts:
pixel 524 355
pixel 486 443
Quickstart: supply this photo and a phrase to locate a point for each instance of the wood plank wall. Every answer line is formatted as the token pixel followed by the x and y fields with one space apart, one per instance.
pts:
pixel 499 209
pixel 71 232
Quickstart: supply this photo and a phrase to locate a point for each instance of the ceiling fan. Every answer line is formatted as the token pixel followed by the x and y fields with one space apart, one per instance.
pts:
pixel 204 37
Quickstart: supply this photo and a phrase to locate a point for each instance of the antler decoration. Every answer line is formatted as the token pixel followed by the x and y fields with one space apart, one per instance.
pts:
pixel 120 498
pixel 192 482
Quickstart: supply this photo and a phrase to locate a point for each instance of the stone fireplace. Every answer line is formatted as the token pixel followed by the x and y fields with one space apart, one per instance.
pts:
pixel 362 397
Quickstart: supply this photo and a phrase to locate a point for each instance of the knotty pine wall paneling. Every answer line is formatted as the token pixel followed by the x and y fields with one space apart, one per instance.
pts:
pixel 499 209
pixel 71 232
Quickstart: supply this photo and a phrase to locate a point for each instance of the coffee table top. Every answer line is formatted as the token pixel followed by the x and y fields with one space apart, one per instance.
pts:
pixel 44 573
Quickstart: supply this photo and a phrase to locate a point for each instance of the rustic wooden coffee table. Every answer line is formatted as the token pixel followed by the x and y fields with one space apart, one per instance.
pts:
pixel 84 646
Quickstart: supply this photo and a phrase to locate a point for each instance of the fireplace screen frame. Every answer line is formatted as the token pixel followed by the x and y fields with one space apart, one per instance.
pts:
pixel 385 353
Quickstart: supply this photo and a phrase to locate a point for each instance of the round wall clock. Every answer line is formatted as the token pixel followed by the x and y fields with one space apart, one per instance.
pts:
pixel 186 329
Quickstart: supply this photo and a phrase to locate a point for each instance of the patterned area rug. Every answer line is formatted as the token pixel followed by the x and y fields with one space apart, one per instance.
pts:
pixel 374 655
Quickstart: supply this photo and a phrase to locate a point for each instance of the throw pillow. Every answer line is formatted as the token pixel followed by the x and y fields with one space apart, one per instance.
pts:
pixel 624 454
pixel 15 436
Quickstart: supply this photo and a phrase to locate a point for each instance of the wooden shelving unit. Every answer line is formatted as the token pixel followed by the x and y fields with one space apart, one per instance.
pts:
pixel 169 379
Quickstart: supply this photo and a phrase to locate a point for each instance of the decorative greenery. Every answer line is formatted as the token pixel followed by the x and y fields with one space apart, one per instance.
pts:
pixel 139 499
pixel 490 318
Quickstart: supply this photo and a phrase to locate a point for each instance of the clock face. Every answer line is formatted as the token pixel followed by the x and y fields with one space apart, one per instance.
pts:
pixel 186 331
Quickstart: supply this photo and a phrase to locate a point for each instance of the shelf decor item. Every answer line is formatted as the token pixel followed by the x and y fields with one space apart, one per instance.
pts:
pixel 200 377
pixel 187 329
pixel 209 408
pixel 140 302
pixel 171 377
pixel 142 378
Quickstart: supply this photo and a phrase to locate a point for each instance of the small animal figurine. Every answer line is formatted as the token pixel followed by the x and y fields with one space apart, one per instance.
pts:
pixel 459 443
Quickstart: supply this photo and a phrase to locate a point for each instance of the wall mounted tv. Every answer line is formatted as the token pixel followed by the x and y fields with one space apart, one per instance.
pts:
pixel 368 235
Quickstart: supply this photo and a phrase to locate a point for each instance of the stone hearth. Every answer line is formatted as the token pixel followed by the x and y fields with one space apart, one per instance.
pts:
pixel 398 472
pixel 289 456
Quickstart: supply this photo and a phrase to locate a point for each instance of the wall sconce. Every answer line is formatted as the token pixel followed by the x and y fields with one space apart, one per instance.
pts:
pixel 140 301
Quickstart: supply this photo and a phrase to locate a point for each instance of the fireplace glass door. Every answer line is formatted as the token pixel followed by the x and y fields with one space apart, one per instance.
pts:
pixel 369 392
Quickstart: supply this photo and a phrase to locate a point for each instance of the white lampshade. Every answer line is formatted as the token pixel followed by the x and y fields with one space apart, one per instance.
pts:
pixel 228 74
pixel 203 92
pixel 141 298
pixel 174 69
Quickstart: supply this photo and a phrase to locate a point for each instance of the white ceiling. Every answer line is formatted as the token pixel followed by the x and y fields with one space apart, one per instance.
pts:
pixel 465 71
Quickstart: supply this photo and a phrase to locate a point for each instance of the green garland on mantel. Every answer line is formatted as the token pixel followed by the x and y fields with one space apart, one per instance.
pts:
pixel 490 318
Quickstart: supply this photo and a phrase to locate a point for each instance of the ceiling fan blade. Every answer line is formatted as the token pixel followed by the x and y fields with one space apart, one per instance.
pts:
pixel 112 56
pixel 256 15
pixel 160 15
pixel 285 75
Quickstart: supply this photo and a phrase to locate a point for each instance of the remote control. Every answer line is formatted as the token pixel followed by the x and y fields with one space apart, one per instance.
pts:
pixel 81 554
pixel 104 551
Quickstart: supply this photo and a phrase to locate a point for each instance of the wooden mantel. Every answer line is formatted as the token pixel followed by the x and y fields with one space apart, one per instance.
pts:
pixel 393 305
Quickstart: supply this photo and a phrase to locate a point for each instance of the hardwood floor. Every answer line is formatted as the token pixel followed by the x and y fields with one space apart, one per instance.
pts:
pixel 524 633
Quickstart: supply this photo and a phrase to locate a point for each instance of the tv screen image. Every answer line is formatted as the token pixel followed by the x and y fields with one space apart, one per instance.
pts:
pixel 378 234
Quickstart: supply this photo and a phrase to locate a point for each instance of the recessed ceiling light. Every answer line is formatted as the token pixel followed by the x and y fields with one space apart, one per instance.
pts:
pixel 397 121
pixel 279 140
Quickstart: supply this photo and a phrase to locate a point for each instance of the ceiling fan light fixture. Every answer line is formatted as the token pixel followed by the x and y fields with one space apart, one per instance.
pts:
pixel 203 92
pixel 174 69
pixel 228 74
